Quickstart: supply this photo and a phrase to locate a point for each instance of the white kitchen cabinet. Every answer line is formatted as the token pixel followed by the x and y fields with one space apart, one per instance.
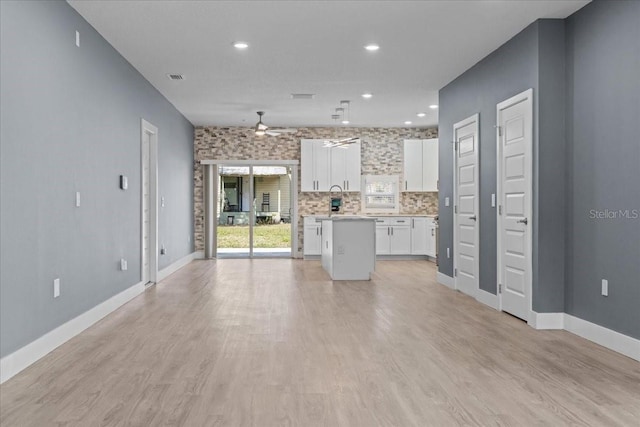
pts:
pixel 383 237
pixel 312 237
pixel 430 164
pixel 393 236
pixel 420 165
pixel 345 166
pixel 315 160
pixel 412 165
pixel 400 242
pixel 419 240
pixel 431 237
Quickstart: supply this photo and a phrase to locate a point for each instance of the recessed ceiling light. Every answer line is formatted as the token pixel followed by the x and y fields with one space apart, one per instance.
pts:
pixel 434 106
pixel 345 122
pixel 241 45
pixel 408 122
pixel 372 47
pixel 367 95
pixel 421 114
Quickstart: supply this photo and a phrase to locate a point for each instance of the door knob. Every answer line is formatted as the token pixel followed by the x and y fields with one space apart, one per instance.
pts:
pixel 473 218
pixel 523 221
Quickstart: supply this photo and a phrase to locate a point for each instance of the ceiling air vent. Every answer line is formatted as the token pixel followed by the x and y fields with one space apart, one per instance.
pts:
pixel 175 76
pixel 303 95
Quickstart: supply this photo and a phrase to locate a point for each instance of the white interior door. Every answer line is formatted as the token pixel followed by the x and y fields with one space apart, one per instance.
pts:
pixel 466 228
pixel 515 118
pixel 149 202
pixel 146 216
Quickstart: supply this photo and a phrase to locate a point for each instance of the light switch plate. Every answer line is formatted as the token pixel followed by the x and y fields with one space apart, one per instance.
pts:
pixel 605 288
pixel 77 199
pixel 124 182
pixel 123 264
pixel 493 200
pixel 56 288
pixel 446 201
pixel 78 38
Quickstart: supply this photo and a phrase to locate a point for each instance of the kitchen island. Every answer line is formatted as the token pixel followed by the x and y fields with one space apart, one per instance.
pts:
pixel 349 247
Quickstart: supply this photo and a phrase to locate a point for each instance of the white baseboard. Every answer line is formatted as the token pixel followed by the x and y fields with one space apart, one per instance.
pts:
pixel 608 338
pixel 169 270
pixel 443 279
pixel 20 359
pixel 546 320
pixel 487 298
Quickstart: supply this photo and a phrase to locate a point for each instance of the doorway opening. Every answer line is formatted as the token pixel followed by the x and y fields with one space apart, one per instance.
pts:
pixel 149 202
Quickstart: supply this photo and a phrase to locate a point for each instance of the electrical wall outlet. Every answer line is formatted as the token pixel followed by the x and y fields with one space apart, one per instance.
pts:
pixel 56 288
pixel 123 264
pixel 605 288
pixel 162 202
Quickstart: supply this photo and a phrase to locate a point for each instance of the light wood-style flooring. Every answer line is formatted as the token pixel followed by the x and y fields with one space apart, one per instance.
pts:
pixel 275 343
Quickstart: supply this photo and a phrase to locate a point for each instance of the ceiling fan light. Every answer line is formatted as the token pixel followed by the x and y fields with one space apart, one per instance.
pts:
pixel 240 45
pixel 345 122
pixel 260 132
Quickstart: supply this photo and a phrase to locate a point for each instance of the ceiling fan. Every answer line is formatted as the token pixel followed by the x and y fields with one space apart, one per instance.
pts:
pixel 340 143
pixel 262 129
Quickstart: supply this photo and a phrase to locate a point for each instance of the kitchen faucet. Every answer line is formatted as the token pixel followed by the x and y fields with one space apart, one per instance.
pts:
pixel 338 200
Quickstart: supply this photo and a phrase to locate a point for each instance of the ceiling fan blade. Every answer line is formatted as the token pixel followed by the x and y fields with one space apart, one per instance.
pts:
pixel 272 133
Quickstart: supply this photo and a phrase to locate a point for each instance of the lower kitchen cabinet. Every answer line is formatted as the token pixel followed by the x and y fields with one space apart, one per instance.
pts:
pixel 393 236
pixel 312 237
pixel 431 237
pixel 419 236
pixel 383 238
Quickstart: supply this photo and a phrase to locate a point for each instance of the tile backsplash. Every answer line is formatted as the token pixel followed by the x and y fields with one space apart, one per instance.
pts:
pixel 381 155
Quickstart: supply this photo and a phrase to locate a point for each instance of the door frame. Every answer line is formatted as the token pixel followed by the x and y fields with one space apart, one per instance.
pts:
pixel 152 131
pixel 525 96
pixel 212 196
pixel 474 118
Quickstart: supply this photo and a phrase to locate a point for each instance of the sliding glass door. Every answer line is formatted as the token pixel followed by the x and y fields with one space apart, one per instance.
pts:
pixel 254 210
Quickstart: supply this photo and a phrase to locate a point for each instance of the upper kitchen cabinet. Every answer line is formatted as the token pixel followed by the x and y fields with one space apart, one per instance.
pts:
pixel 420 165
pixel 321 167
pixel 345 166
pixel 315 161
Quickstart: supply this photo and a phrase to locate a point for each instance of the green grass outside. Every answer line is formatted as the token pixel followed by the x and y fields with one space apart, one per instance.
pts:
pixel 264 236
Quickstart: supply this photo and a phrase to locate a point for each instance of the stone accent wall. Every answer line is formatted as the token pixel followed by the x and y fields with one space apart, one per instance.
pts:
pixel 381 155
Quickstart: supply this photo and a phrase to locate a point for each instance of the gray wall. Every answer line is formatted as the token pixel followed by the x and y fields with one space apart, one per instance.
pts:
pixel 584 71
pixel 603 111
pixel 71 122
pixel 509 70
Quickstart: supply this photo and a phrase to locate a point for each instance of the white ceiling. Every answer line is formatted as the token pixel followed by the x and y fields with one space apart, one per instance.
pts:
pixel 309 47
